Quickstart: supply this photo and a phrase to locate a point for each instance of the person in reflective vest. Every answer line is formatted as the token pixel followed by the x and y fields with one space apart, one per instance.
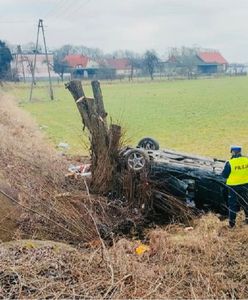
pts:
pixel 236 173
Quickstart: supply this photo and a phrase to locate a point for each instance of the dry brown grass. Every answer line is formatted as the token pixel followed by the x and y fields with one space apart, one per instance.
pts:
pixel 50 207
pixel 25 154
pixel 36 172
pixel 209 261
pixel 9 212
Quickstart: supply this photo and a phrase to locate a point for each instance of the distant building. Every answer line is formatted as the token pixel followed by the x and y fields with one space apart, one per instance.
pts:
pixel 23 66
pixel 81 66
pixel 77 61
pixel 211 62
pixel 121 65
pixel 195 62
pixel 85 67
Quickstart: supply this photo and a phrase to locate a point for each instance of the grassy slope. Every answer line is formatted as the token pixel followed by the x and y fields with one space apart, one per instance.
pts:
pixel 199 116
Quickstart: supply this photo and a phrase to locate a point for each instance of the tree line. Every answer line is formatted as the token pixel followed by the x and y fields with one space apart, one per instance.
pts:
pixel 147 61
pixel 178 59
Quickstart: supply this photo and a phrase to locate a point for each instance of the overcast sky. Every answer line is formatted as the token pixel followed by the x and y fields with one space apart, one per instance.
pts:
pixel 131 24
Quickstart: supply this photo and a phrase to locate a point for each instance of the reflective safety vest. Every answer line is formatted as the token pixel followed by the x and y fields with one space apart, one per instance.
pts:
pixel 239 171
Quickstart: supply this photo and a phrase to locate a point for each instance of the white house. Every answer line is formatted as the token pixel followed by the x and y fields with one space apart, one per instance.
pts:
pixel 24 66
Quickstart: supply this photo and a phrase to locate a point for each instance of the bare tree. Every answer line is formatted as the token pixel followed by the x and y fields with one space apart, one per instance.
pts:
pixel 189 60
pixel 60 66
pixel 94 53
pixel 30 48
pixel 135 61
pixel 184 59
pixel 150 62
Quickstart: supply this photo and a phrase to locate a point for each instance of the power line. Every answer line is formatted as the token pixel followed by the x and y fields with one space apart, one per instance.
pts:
pixel 69 10
pixel 76 9
pixel 55 8
pixel 69 7
pixel 17 22
pixel 63 8
pixel 63 4
pixel 50 10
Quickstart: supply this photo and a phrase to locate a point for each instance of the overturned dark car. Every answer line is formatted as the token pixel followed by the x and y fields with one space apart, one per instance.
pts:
pixel 195 180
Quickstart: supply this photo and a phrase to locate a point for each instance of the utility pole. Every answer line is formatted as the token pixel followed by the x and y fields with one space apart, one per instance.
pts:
pixel 15 74
pixel 34 64
pixel 48 68
pixel 40 26
pixel 19 52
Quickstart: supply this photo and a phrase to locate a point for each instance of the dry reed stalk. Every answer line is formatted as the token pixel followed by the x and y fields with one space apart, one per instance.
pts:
pixel 208 262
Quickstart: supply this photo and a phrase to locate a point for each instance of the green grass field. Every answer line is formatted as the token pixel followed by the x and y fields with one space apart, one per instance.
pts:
pixel 201 116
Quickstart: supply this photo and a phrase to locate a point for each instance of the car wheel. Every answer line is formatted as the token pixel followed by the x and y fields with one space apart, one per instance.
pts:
pixel 148 144
pixel 136 160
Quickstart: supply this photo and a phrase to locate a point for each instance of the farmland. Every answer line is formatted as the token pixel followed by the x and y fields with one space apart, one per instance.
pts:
pixel 200 116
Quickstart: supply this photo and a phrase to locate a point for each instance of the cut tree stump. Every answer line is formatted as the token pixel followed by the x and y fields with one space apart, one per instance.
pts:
pixel 104 139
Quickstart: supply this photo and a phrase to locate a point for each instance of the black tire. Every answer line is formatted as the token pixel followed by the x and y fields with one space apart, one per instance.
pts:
pixel 148 144
pixel 136 160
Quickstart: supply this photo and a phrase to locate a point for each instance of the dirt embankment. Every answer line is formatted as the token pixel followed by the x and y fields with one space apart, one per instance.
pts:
pixel 32 173
pixel 47 205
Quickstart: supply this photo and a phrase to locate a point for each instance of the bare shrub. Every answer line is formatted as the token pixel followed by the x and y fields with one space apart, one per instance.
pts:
pixel 197 264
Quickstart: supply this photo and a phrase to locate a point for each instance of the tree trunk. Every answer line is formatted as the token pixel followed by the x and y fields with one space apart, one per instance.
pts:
pixel 104 141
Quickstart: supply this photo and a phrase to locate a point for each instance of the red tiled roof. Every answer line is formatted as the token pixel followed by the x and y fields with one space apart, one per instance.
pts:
pixel 212 57
pixel 75 60
pixel 118 63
